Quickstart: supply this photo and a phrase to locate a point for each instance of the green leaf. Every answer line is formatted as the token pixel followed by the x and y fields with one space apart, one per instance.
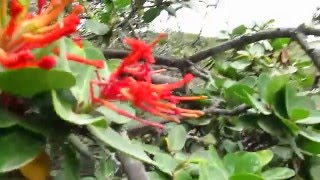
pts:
pixel 312 134
pixel 120 4
pixel 242 162
pixel 84 73
pixel 246 176
pixel 113 64
pixel 157 175
pixel 275 84
pixel 273 126
pixel 65 110
pixel 249 81
pixel 309 146
pixel 114 116
pixel 30 81
pixel 113 139
pixel 238 94
pixel 314 164
pixel 265 156
pixel 182 175
pixel 239 30
pixel 278 173
pixel 7 119
pixel 240 64
pixel 177 137
pixel 207 171
pixel 257 50
pixel 71 164
pixel 314 118
pixel 260 106
pixel 151 14
pixel 279 104
pixel 96 27
pixel 262 83
pixel 166 163
pixel 279 43
pixel 107 168
pixel 297 106
pixel 18 147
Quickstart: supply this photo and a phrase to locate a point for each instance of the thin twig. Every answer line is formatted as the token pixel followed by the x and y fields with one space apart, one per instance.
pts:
pixel 227 112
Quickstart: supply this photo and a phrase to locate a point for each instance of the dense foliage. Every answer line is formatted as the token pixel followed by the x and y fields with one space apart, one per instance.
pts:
pixel 79 107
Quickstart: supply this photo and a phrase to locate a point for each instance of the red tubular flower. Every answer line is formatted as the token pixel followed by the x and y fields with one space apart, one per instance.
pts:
pixel 24 32
pixel 132 82
pixel 41 4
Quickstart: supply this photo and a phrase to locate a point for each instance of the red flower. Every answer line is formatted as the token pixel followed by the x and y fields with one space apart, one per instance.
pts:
pixel 24 32
pixel 132 82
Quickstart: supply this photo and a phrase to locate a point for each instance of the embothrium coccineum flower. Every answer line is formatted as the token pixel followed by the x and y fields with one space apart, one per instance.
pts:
pixel 21 32
pixel 132 82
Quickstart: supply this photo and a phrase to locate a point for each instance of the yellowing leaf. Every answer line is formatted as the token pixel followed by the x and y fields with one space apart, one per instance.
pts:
pixel 37 169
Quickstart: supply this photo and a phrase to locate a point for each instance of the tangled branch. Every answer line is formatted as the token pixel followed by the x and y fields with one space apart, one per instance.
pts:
pixel 182 63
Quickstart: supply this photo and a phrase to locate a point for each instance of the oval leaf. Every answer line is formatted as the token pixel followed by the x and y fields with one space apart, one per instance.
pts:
pixel 64 109
pixel 278 173
pixel 96 27
pixel 30 81
pixel 113 139
pixel 177 137
pixel 151 14
pixel 18 147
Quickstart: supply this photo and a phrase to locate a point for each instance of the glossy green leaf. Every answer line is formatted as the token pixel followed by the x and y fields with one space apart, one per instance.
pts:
pixel 30 81
pixel 166 163
pixel 238 94
pixel 309 146
pixel 312 134
pixel 177 137
pixel 7 119
pixel 115 140
pixel 96 27
pixel 65 110
pixel 314 164
pixel 238 162
pixel 314 118
pixel 278 173
pixel 260 106
pixel 298 107
pixel 279 43
pixel 114 116
pixel 240 64
pixel 18 147
pixel 84 73
pixel 275 84
pixel 265 156
pixel 245 176
pixel 273 126
pixel 113 64
pixel 120 4
pixel 208 171
pixel 240 30
pixel 151 14
pixel 256 50
pixel 182 175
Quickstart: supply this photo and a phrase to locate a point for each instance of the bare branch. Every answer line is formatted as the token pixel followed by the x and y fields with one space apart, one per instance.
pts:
pixel 235 43
pixel 227 112
pixel 134 169
pixel 313 53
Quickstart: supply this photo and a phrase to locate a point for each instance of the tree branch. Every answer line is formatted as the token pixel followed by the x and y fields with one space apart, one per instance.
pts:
pixel 227 112
pixel 313 53
pixel 235 43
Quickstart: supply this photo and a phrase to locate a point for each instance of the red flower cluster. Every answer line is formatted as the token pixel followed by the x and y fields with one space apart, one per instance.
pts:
pixel 132 82
pixel 21 32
